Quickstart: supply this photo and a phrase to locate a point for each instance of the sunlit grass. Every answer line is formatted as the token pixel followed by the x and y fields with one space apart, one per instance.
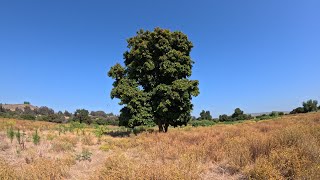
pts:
pixel 282 148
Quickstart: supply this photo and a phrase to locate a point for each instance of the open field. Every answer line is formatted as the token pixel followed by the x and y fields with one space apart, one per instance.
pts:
pixel 282 148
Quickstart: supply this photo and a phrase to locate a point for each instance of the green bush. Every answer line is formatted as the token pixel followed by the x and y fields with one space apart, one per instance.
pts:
pixel 274 114
pixel 36 138
pixel 197 123
pixel 310 105
pixel 18 136
pixel 28 117
pixel 99 131
pixel 56 118
pixel 224 117
pixel 264 117
pixel 82 116
pixel 10 134
pixel 205 115
pixel 76 126
pixel 242 117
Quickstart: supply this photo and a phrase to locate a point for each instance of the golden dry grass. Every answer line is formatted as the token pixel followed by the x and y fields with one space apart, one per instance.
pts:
pixel 286 148
pixel 41 168
pixel 283 148
pixel 25 125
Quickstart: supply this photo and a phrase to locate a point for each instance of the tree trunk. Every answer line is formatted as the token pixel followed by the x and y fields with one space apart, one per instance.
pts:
pixel 166 127
pixel 161 127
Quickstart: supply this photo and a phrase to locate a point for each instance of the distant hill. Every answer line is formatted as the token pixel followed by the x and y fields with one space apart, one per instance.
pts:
pixel 13 107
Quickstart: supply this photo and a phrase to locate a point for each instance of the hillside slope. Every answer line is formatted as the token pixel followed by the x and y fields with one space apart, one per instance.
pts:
pixel 13 107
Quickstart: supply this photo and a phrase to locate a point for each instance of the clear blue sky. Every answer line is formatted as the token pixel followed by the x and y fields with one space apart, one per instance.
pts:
pixel 259 55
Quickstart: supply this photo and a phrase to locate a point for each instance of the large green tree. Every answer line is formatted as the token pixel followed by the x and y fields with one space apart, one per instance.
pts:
pixel 237 112
pixel 239 115
pixel 153 84
pixel 45 110
pixel 310 105
pixel 82 116
pixel 205 115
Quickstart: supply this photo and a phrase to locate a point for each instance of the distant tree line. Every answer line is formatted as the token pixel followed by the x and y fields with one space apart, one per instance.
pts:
pixel 206 119
pixel 273 114
pixel 47 114
pixel 236 116
pixel 307 106
pixel 101 118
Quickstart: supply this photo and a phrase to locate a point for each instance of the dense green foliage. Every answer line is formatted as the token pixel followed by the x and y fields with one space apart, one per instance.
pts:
pixel 103 121
pixel 44 111
pixel 153 85
pixel 47 114
pixel 297 110
pixel 109 120
pixel 197 123
pixel 67 114
pixel 28 116
pixel 205 115
pixel 238 115
pixel 224 117
pixel 57 118
pixel 308 106
pixel 82 116
pixel 272 115
pixel 101 114
pixel 102 118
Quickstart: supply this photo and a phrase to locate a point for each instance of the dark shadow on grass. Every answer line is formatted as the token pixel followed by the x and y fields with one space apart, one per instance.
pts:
pixel 119 133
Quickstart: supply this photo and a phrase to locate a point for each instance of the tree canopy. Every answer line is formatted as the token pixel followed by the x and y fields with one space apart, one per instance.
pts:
pixel 82 116
pixel 153 84
pixel 45 110
pixel 237 112
pixel 99 113
pixel 205 115
pixel 310 105
pixel 67 113
pixel 223 118
pixel 307 106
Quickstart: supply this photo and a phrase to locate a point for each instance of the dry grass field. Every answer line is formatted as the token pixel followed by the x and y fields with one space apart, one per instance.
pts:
pixel 282 148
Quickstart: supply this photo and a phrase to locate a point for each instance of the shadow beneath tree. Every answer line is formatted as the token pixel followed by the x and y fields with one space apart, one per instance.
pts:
pixel 119 133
